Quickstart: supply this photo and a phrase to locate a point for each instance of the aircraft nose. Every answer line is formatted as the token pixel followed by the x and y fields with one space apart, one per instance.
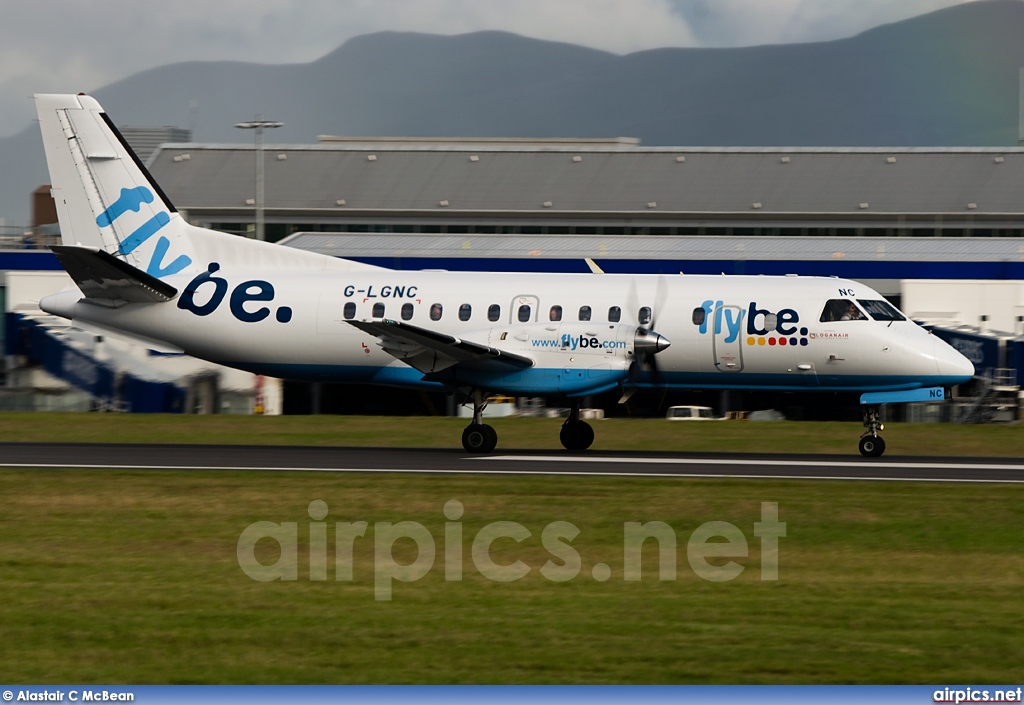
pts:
pixel 951 364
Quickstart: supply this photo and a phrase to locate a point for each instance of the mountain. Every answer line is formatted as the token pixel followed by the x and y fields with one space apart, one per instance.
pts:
pixel 949 78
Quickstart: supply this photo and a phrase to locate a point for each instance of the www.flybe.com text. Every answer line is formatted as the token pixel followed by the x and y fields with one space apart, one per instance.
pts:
pixel 578 342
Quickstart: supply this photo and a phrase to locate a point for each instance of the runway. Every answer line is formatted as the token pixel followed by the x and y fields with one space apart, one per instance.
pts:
pixel 431 461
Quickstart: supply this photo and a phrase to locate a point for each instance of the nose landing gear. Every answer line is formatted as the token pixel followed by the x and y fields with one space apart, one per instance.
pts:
pixel 871 444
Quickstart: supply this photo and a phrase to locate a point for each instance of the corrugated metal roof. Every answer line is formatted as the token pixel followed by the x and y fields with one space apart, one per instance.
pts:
pixel 643 247
pixel 584 180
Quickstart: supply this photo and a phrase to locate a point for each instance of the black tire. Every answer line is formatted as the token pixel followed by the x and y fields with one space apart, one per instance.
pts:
pixel 479 438
pixel 576 435
pixel 492 437
pixel 871 446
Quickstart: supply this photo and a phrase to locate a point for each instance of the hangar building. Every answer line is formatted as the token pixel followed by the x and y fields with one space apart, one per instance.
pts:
pixel 870 214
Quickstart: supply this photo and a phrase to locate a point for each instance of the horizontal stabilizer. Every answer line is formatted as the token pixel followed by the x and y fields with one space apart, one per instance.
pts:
pixel 429 351
pixel 108 281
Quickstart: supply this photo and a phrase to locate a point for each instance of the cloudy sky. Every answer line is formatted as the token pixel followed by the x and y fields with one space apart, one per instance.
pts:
pixel 82 45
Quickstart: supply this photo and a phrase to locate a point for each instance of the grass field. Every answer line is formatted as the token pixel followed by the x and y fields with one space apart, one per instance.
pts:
pixel 132 577
pixel 432 432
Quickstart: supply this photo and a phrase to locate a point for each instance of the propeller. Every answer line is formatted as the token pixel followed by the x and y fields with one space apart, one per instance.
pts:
pixel 647 342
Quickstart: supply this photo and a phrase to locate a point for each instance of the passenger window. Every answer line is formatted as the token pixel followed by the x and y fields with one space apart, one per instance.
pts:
pixel 614 314
pixel 841 310
pixel 435 312
pixel 644 315
pixel 524 313
pixel 555 314
pixel 378 310
pixel 406 312
pixel 881 310
pixel 584 313
pixel 771 321
pixel 699 316
pixel 465 311
pixel 349 311
pixel 493 312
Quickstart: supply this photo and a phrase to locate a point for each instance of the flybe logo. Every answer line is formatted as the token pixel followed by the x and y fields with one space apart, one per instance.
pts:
pixel 244 301
pixel 762 326
pixel 131 199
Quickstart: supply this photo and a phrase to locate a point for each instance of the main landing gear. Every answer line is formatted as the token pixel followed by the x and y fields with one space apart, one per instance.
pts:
pixel 478 437
pixel 871 444
pixel 576 434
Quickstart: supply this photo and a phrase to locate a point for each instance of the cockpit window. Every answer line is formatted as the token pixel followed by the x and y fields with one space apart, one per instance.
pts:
pixel 841 310
pixel 881 310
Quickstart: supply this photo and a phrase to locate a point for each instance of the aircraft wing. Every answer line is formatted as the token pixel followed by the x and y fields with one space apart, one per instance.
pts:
pixel 108 281
pixel 429 351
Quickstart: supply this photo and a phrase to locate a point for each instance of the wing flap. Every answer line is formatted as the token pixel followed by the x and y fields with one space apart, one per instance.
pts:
pixel 430 351
pixel 108 281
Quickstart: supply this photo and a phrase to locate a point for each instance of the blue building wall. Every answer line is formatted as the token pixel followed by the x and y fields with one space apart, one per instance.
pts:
pixel 851 269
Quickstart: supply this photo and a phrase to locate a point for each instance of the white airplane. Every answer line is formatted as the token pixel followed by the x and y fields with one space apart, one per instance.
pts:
pixel 141 269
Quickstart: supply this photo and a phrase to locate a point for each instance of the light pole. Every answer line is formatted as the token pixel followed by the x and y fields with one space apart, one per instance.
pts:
pixel 259 124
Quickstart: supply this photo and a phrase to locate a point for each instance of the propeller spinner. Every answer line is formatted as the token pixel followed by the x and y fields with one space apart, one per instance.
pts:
pixel 647 342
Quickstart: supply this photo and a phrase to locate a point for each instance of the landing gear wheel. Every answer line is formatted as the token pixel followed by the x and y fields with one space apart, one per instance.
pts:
pixel 871 446
pixel 492 437
pixel 479 438
pixel 576 435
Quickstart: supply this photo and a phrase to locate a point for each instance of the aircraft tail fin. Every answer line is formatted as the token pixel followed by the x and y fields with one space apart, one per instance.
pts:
pixel 107 201
pixel 104 196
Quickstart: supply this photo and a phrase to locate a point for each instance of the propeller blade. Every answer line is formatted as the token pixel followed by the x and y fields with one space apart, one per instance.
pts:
pixel 660 297
pixel 633 301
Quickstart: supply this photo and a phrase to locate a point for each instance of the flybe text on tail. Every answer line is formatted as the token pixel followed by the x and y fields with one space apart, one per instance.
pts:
pixel 131 200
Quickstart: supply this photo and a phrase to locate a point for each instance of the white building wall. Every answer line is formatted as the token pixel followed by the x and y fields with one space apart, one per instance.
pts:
pixel 24 289
pixel 947 301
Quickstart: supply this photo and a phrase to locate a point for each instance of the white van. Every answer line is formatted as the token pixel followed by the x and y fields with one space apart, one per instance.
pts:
pixel 691 413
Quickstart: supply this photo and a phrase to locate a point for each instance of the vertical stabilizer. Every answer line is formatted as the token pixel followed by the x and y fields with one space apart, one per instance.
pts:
pixel 105 198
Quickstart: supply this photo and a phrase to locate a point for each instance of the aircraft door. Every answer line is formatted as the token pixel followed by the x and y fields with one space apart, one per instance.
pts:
pixel 524 309
pixel 727 343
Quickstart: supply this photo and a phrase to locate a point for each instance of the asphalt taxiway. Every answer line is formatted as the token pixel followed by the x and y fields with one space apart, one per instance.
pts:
pixel 432 461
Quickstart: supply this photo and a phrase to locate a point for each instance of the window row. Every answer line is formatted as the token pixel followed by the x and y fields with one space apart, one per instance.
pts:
pixel 524 313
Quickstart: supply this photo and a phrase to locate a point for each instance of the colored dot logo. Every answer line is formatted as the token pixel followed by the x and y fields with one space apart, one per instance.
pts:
pixel 780 340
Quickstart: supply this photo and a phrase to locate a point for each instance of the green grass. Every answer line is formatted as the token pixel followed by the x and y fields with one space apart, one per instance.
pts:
pixel 432 432
pixel 132 577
